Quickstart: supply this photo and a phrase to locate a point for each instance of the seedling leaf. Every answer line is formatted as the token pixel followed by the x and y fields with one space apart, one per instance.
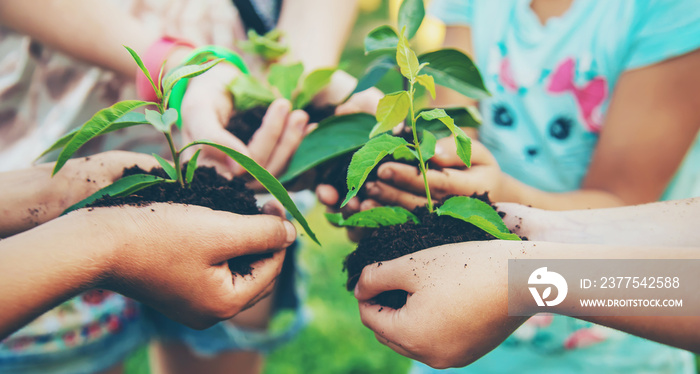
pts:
pixel 285 78
pixel 145 71
pixel 479 214
pixel 383 37
pixel 462 141
pixel 334 136
pixel 123 187
pixel 428 82
pixel 376 217
pixel 462 116
pixel 96 126
pixel 411 14
pixel 266 179
pixel 128 120
pixel 427 145
pixel 249 93
pixel 187 72
pixel 313 84
pixel 164 121
pixel 191 167
pixel 391 111
pixel 407 60
pixel 375 71
pixel 406 154
pixel 167 167
pixel 453 69
pixel 366 158
pixel 267 46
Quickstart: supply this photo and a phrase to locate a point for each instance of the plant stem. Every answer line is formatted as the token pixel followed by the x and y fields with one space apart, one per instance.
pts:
pixel 421 163
pixel 176 159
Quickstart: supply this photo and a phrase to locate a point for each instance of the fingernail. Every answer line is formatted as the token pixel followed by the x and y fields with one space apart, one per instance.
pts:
pixel 291 232
pixel 385 173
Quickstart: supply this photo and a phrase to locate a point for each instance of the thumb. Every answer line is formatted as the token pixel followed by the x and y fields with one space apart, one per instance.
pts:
pixel 381 277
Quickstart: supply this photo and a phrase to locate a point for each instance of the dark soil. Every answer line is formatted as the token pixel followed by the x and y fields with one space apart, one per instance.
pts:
pixel 388 243
pixel 244 124
pixel 209 189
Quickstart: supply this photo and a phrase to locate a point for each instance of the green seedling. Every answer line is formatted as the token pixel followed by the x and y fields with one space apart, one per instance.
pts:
pixel 399 107
pixel 121 115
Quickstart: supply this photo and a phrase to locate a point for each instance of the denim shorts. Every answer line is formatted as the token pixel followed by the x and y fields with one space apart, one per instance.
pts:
pixel 98 330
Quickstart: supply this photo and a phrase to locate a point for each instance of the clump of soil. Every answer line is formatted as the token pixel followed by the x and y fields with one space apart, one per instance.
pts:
pixel 388 243
pixel 208 189
pixel 244 124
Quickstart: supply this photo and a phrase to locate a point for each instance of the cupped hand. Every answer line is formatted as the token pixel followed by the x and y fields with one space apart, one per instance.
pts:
pixel 457 305
pixel 206 109
pixel 401 184
pixel 174 257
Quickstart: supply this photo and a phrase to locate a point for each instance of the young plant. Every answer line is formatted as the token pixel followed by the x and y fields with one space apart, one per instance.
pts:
pixel 446 67
pixel 399 107
pixel 120 116
pixel 269 46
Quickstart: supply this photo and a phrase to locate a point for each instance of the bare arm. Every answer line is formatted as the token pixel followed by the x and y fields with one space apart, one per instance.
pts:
pixel 145 253
pixel 473 299
pixel 668 223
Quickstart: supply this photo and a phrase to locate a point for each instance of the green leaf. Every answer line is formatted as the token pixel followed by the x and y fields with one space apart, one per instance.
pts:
pixel 94 127
pixel 123 187
pixel 391 111
pixel 187 72
pixel 167 167
pixel 428 82
pixel 162 122
pixel 334 136
pixel 191 167
pixel 285 78
pixel 128 120
pixel 406 154
pixel 479 214
pixel 383 37
pixel 407 60
pixel 376 217
pixel 375 71
pixel 249 93
pixel 462 141
pixel 461 115
pixel 267 180
pixel 453 69
pixel 427 145
pixel 366 158
pixel 268 46
pixel 313 84
pixel 145 71
pixel 411 14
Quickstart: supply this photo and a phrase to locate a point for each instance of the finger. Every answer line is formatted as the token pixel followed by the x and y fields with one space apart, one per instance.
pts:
pixel 327 194
pixel 369 204
pixel 274 208
pixel 389 195
pixel 384 276
pixel 233 235
pixel 289 142
pixel 347 108
pixel 386 324
pixel 248 289
pixel 265 139
pixel 406 176
pixel 395 346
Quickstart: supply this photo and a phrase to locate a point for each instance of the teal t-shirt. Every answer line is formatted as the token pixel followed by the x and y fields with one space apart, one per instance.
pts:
pixel 551 87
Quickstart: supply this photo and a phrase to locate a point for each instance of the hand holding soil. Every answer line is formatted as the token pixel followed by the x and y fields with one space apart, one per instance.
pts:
pixel 457 306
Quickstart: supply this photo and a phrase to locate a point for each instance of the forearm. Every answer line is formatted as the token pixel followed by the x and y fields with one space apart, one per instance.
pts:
pixel 91 31
pixel 518 192
pixel 45 266
pixel 680 332
pixel 316 30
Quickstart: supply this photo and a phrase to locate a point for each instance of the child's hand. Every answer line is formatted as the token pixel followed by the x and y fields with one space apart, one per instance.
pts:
pixel 207 108
pixel 457 306
pixel 401 184
pixel 174 258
